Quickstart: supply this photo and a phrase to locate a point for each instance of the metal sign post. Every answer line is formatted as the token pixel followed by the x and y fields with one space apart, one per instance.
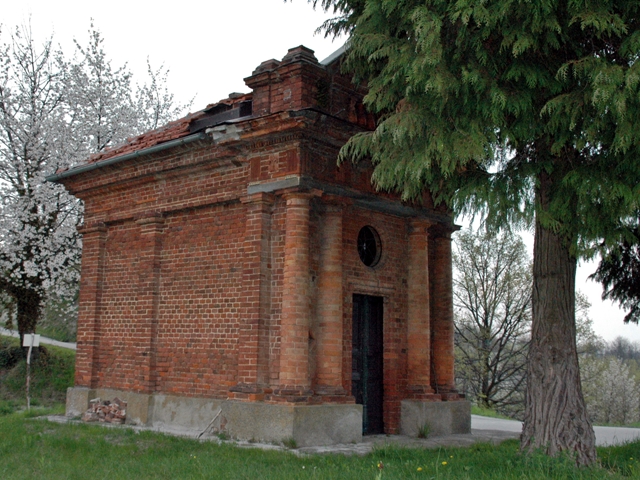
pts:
pixel 30 340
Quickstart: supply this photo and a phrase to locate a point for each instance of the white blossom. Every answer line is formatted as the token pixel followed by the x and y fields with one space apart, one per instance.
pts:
pixel 54 113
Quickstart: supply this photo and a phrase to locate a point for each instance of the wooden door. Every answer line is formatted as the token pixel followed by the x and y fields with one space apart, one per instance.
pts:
pixel 367 364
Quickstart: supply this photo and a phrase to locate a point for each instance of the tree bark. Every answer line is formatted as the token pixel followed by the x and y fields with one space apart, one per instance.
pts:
pixel 556 418
pixel 28 310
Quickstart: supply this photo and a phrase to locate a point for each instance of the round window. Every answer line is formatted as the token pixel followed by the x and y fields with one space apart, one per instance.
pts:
pixel 369 246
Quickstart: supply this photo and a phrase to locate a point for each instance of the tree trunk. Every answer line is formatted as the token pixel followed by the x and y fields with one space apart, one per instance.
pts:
pixel 556 418
pixel 28 310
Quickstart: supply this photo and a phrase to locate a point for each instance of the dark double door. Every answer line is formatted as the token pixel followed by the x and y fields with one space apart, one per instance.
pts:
pixel 367 364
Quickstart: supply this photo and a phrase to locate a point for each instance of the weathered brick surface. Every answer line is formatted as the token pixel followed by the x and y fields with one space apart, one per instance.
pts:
pixel 442 329
pixel 418 315
pixel 295 311
pixel 326 333
pixel 389 280
pixel 202 276
pixel 91 287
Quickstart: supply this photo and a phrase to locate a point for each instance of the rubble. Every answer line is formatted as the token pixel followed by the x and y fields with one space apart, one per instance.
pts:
pixel 106 411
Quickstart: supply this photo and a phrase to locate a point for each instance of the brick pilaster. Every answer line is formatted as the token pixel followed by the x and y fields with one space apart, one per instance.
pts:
pixel 330 305
pixel 418 314
pixel 442 329
pixel 94 239
pixel 148 296
pixel 294 382
pixel 253 336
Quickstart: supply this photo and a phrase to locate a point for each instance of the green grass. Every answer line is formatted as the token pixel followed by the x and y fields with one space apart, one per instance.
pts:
pixel 56 332
pixel 32 448
pixel 60 333
pixel 51 374
pixel 35 448
pixel 487 412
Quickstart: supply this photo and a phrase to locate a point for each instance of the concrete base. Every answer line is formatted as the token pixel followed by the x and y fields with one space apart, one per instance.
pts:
pixel 441 418
pixel 138 405
pixel 307 425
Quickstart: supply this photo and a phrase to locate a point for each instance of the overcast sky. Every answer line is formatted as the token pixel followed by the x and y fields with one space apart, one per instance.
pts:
pixel 209 48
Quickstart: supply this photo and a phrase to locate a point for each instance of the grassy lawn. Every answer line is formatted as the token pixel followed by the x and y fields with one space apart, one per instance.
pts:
pixel 486 412
pixel 56 333
pixel 35 448
pixel 51 374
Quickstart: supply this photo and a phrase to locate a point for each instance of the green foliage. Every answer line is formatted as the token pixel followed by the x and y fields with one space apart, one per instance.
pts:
pixel 290 443
pixel 7 407
pixel 60 317
pixel 487 412
pixel 52 371
pixel 478 99
pixel 516 111
pixel 424 430
pixel 619 273
pixel 10 353
pixel 622 459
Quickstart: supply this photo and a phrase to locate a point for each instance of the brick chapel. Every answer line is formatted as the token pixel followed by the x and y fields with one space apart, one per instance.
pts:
pixel 233 274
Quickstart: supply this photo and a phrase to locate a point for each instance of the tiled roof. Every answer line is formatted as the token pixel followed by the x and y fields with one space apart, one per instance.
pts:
pixel 171 131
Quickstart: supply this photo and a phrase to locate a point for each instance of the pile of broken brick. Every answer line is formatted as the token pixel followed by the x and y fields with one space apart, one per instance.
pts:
pixel 106 411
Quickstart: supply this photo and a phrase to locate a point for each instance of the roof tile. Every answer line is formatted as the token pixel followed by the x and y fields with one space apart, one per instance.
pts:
pixel 171 131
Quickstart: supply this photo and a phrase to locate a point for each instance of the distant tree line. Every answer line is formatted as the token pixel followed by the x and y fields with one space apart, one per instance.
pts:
pixel 492 293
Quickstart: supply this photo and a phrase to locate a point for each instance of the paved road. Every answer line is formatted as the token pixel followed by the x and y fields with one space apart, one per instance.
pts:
pixel 48 341
pixel 604 435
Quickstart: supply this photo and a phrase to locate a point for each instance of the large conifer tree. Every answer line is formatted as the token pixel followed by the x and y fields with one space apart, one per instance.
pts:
pixel 524 111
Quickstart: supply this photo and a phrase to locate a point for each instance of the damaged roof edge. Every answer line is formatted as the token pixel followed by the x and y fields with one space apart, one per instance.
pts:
pixel 127 156
pixel 334 56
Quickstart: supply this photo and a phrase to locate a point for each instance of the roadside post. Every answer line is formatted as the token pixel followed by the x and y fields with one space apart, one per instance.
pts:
pixel 31 340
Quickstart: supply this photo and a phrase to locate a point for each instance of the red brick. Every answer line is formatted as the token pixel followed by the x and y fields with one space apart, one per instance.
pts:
pixel 193 287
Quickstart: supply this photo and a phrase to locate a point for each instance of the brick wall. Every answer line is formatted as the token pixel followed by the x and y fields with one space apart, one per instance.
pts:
pixel 192 285
pixel 388 279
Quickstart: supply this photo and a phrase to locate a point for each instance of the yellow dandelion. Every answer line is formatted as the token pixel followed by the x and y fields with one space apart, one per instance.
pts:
pixel 444 463
pixel 419 469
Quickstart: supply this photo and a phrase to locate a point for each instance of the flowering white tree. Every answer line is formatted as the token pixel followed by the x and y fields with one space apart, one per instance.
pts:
pixel 104 105
pixel 55 112
pixel 610 389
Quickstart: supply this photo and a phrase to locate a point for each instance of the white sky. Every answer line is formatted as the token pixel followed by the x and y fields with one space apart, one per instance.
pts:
pixel 209 48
